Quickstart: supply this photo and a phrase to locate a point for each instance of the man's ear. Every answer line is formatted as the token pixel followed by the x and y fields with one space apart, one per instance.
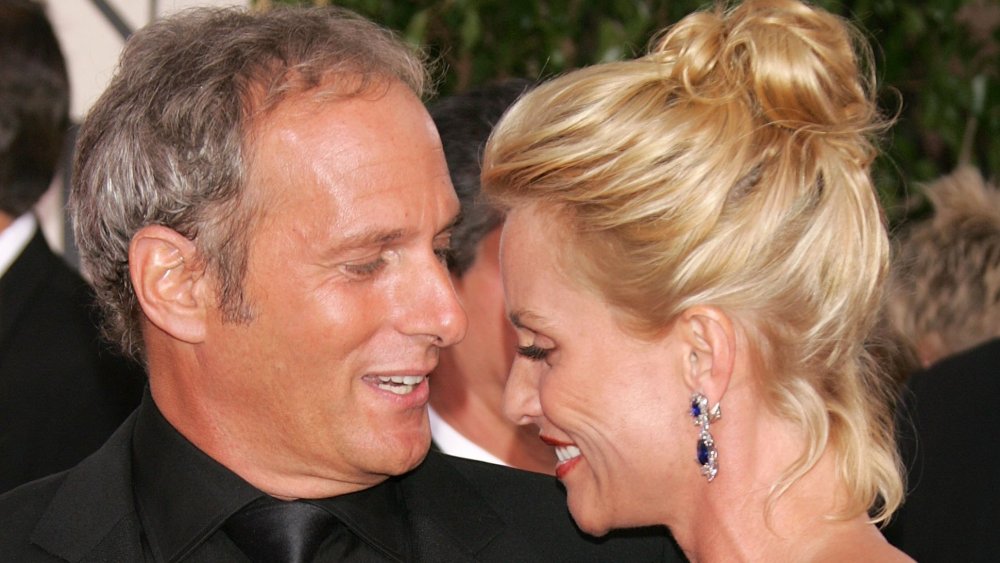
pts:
pixel 930 348
pixel 710 343
pixel 170 283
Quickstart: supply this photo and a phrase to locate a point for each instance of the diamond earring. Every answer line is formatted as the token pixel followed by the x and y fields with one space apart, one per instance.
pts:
pixel 708 456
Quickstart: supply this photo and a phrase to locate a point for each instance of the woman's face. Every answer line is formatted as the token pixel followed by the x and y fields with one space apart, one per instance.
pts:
pixel 613 405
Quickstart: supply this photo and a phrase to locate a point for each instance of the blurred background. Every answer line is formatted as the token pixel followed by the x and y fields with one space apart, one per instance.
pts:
pixel 938 63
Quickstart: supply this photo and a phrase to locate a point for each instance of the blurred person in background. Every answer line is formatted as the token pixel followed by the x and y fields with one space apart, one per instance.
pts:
pixel 945 294
pixel 62 389
pixel 945 301
pixel 466 407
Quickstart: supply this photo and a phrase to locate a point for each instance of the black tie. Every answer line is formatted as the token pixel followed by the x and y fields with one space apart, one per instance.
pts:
pixel 269 530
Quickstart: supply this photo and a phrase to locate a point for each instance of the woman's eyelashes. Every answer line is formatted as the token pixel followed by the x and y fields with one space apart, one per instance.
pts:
pixel 533 352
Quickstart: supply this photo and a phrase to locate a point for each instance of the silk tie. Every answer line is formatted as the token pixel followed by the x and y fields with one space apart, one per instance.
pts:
pixel 269 530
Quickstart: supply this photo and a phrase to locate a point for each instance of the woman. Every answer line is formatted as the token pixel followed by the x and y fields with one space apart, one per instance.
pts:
pixel 693 257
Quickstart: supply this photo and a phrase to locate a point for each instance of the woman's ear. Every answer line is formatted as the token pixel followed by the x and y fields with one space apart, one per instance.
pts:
pixel 170 283
pixel 709 339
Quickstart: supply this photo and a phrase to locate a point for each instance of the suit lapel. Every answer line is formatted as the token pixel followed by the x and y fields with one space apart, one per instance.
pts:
pixel 25 276
pixel 449 519
pixel 92 515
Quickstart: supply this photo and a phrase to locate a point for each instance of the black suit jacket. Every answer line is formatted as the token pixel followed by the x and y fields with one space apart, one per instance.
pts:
pixel 62 392
pixel 459 511
pixel 948 423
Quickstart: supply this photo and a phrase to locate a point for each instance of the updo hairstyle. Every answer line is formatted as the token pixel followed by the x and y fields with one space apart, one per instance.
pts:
pixel 730 167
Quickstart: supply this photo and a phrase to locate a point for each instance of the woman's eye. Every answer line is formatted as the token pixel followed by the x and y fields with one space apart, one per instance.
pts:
pixel 533 352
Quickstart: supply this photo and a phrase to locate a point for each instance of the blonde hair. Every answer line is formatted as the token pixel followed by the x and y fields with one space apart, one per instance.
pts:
pixel 730 167
pixel 946 273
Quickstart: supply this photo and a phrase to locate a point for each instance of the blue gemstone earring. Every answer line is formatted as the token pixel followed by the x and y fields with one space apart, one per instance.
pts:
pixel 708 456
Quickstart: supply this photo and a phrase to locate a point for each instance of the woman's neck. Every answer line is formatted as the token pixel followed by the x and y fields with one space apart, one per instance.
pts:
pixel 738 517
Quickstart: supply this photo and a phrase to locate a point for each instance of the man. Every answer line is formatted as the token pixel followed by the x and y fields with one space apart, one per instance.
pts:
pixel 263 204
pixel 946 303
pixel 62 392
pixel 467 394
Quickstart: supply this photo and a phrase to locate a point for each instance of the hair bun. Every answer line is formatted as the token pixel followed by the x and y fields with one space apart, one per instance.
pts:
pixel 796 66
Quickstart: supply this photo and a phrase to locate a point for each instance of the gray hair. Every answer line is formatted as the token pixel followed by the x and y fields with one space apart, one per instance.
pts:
pixel 168 141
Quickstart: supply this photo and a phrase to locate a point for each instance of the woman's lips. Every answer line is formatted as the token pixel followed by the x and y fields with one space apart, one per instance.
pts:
pixel 567 454
pixel 564 467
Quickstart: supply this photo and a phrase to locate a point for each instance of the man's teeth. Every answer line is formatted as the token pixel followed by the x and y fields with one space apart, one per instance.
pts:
pixel 565 453
pixel 399 384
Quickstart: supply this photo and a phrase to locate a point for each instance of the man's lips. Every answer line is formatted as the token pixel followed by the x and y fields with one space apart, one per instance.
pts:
pixel 403 384
pixel 398 384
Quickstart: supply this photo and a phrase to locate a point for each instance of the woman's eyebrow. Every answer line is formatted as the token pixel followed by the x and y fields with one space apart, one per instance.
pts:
pixel 517 318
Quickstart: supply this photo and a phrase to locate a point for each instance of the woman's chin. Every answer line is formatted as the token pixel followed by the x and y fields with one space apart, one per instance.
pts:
pixel 589 521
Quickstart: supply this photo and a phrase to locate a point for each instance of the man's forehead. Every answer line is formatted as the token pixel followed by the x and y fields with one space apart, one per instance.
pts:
pixel 386 215
pixel 352 133
pixel 308 94
pixel 380 217
pixel 363 170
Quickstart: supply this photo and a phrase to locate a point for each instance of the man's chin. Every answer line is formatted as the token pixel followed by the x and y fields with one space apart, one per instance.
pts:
pixel 417 460
pixel 407 457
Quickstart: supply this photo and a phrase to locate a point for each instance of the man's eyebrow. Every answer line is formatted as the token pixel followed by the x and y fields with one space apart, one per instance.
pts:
pixel 373 237
pixel 379 237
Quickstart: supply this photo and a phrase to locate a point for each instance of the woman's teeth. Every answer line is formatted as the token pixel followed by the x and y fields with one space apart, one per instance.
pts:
pixel 565 453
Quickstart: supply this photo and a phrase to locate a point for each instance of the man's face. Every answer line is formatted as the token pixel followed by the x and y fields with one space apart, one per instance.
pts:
pixel 351 297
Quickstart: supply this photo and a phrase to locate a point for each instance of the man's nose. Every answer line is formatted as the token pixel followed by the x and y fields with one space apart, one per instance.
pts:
pixel 436 311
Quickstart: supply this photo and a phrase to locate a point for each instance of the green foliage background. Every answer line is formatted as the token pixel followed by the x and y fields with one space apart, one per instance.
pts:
pixel 939 63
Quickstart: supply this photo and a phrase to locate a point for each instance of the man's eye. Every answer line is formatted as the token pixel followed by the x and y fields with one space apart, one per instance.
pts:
pixel 365 269
pixel 533 353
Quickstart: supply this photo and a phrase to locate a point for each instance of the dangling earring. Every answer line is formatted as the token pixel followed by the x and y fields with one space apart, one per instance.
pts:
pixel 708 456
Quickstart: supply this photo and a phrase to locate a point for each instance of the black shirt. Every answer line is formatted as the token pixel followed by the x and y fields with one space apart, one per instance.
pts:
pixel 183 497
pixel 945 422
